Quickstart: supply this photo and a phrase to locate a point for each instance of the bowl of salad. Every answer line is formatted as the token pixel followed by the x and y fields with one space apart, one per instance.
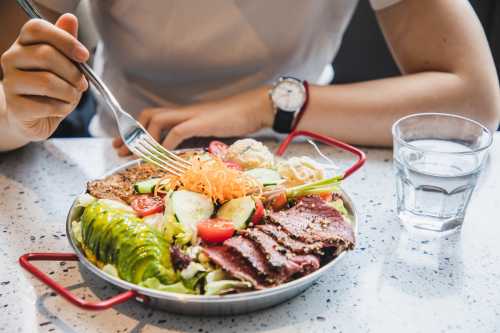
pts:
pixel 241 230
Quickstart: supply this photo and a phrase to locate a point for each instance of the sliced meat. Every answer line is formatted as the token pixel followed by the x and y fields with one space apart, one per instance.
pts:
pixel 120 186
pixel 308 263
pixel 284 239
pixel 180 260
pixel 235 265
pixel 251 252
pixel 273 252
pixel 312 220
pixel 276 255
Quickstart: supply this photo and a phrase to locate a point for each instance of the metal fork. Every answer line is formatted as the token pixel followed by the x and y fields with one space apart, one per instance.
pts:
pixel 132 132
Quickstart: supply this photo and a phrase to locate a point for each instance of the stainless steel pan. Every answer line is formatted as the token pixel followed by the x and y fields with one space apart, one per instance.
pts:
pixel 189 304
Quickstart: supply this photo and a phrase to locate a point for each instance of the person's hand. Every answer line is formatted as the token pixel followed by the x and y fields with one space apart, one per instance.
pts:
pixel 232 116
pixel 41 83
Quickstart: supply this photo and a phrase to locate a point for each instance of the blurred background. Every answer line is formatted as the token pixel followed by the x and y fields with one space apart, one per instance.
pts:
pixel 363 55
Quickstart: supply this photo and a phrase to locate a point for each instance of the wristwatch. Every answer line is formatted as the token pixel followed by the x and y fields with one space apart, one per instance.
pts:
pixel 288 96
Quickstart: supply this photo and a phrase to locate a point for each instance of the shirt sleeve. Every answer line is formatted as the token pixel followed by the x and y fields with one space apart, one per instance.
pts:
pixel 381 4
pixel 60 6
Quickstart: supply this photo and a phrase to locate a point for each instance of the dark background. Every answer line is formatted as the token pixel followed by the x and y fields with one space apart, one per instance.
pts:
pixel 365 56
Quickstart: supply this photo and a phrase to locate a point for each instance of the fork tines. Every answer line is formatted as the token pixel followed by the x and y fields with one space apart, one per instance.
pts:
pixel 151 151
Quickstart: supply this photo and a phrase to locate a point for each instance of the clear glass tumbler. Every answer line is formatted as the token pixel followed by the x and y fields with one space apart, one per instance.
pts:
pixel 437 158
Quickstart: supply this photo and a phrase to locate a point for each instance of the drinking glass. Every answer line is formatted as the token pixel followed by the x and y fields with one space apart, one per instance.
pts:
pixel 437 160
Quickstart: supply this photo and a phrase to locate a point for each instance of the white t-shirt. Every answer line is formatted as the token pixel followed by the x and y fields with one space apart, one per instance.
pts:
pixel 161 52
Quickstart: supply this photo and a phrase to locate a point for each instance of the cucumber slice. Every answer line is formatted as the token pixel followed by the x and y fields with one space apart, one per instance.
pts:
pixel 146 186
pixel 239 211
pixel 265 176
pixel 190 208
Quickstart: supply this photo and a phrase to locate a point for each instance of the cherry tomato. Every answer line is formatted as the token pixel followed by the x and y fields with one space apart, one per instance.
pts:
pixel 233 165
pixel 146 205
pixel 259 212
pixel 215 230
pixel 217 148
pixel 279 201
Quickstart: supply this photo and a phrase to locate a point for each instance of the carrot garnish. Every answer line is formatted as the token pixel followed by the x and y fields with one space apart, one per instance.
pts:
pixel 213 178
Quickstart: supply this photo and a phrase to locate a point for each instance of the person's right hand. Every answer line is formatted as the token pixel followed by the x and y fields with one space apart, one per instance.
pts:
pixel 41 83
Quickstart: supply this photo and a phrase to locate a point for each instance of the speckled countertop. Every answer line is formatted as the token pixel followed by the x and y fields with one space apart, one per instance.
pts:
pixel 393 282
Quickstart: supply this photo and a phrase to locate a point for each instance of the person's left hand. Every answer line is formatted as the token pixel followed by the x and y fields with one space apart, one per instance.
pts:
pixel 232 116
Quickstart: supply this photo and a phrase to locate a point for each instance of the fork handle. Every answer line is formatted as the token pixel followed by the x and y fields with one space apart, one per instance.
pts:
pixel 89 73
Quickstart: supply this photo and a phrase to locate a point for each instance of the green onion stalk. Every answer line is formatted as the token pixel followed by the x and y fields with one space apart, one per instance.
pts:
pixel 320 187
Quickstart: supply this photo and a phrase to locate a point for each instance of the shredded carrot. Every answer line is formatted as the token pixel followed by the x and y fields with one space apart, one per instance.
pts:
pixel 214 179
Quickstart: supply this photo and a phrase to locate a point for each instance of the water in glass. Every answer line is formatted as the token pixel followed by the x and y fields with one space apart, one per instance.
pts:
pixel 433 190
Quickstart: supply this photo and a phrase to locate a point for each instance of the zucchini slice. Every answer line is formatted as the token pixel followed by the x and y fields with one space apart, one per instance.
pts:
pixel 265 176
pixel 190 207
pixel 239 211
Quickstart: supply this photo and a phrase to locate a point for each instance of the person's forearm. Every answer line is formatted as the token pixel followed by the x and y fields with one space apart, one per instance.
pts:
pixel 10 137
pixel 362 113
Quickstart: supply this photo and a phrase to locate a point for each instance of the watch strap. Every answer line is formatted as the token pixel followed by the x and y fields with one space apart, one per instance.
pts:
pixel 304 107
pixel 283 121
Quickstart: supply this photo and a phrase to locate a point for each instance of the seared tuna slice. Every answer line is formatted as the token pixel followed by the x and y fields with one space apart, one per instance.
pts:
pixel 312 220
pixel 277 257
pixel 274 253
pixel 251 252
pixel 286 240
pixel 308 263
pixel 235 265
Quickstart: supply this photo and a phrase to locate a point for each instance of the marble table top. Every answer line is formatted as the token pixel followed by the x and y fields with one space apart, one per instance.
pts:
pixel 394 281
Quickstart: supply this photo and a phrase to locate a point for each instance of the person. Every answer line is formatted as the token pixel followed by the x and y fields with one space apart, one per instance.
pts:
pixel 199 69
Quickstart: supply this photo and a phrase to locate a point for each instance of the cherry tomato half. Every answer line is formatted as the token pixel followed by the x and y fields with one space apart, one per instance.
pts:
pixel 233 165
pixel 215 230
pixel 217 148
pixel 259 212
pixel 146 205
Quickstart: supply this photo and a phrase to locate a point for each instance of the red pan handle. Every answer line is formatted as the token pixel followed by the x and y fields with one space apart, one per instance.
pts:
pixel 329 141
pixel 25 259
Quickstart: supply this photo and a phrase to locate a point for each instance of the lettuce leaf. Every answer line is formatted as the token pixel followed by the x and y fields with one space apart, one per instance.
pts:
pixel 83 200
pixel 219 282
pixel 224 286
pixel 115 204
pixel 179 287
pixel 217 275
pixel 191 270
pixel 155 221
pixel 76 228
pixel 110 269
pixel 193 282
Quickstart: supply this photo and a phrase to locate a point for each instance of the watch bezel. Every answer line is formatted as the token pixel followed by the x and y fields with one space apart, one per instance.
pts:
pixel 293 80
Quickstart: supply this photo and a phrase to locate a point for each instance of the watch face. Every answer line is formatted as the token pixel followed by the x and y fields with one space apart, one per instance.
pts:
pixel 289 95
